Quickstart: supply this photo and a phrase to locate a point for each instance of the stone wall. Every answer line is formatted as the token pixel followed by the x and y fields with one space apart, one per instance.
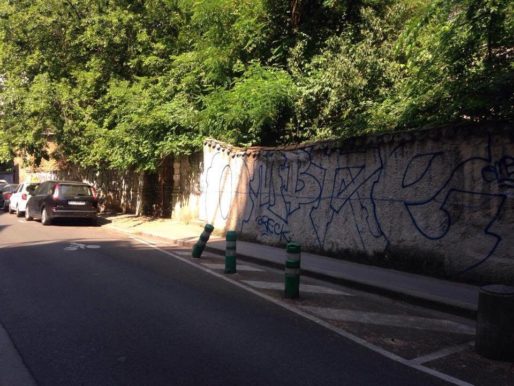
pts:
pixel 119 190
pixel 171 191
pixel 186 187
pixel 439 200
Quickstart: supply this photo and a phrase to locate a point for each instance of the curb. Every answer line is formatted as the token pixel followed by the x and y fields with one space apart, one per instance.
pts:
pixel 415 298
pixel 420 299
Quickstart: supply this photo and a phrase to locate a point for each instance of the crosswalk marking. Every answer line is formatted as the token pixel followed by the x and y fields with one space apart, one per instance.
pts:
pixel 240 267
pixel 442 353
pixel 303 287
pixel 406 321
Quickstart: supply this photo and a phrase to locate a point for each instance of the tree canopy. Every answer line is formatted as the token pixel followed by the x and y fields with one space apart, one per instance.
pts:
pixel 124 83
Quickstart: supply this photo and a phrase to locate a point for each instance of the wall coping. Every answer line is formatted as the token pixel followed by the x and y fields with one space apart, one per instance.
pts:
pixel 372 140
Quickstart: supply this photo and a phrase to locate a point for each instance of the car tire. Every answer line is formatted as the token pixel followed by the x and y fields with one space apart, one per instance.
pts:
pixel 28 217
pixel 45 220
pixel 10 210
pixel 18 213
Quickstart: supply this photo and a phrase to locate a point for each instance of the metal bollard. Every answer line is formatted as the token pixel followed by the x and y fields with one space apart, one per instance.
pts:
pixel 200 244
pixel 292 271
pixel 230 252
pixel 495 323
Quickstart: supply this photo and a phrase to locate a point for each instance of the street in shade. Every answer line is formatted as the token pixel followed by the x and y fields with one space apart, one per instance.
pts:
pixel 85 305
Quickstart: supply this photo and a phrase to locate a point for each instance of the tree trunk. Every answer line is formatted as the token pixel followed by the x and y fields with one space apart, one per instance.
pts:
pixel 166 187
pixel 148 194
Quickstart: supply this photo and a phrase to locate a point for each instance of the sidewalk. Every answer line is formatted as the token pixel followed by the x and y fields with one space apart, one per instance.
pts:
pixel 458 298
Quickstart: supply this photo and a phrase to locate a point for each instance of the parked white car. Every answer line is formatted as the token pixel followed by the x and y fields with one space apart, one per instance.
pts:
pixel 18 200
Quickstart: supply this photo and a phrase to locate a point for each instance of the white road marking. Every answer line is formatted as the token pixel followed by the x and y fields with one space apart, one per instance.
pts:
pixel 316 320
pixel 184 253
pixel 22 221
pixel 240 267
pixel 303 287
pixel 405 321
pixel 204 254
pixel 77 246
pixel 442 353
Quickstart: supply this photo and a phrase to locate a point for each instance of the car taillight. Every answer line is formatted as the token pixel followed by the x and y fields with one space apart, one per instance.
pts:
pixel 23 196
pixel 55 196
pixel 7 195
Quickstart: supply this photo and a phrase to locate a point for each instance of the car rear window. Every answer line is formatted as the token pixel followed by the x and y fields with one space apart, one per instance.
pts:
pixel 75 190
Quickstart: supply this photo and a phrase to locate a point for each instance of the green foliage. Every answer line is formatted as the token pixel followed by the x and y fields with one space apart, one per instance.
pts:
pixel 458 59
pixel 255 111
pixel 125 83
pixel 343 85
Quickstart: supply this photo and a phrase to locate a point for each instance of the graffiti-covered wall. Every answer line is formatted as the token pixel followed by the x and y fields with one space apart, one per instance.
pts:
pixel 443 196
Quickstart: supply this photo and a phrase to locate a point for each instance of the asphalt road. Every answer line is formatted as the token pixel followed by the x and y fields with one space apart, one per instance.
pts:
pixel 85 305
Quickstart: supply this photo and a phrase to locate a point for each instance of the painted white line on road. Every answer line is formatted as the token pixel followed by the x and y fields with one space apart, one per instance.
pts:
pixel 240 267
pixel 204 254
pixel 145 242
pixel 442 353
pixel 184 253
pixel 22 221
pixel 303 287
pixel 404 321
pixel 316 320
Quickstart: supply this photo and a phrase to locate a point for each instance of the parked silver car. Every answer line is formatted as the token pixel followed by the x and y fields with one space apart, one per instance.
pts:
pixel 18 201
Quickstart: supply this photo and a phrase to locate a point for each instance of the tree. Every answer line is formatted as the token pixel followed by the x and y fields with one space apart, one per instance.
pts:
pixel 458 61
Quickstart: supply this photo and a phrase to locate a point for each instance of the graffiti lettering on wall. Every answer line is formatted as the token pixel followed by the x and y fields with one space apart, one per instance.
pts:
pixel 371 199
pixel 464 206
pixel 268 226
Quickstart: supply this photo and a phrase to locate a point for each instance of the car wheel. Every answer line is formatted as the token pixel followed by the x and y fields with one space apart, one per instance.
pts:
pixel 11 211
pixel 45 220
pixel 28 217
pixel 6 207
pixel 18 213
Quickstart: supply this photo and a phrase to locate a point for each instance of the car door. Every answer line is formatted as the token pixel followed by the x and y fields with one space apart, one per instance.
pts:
pixel 15 196
pixel 37 199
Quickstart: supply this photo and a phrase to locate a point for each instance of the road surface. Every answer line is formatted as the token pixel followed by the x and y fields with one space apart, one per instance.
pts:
pixel 82 305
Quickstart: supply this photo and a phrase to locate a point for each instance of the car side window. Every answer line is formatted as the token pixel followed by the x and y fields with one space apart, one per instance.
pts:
pixel 41 188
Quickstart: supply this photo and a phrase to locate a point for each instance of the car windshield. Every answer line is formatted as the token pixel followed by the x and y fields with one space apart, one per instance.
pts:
pixel 75 190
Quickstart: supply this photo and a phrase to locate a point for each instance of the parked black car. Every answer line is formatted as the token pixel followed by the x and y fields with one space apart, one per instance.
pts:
pixel 62 199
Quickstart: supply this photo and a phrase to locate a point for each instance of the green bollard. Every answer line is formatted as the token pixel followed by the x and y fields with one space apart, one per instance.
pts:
pixel 200 244
pixel 292 271
pixel 230 252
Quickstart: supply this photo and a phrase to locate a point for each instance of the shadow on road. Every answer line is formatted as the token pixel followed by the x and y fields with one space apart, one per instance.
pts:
pixel 3 226
pixel 71 222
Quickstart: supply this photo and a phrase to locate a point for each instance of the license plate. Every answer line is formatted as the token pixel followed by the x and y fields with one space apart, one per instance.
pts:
pixel 76 203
